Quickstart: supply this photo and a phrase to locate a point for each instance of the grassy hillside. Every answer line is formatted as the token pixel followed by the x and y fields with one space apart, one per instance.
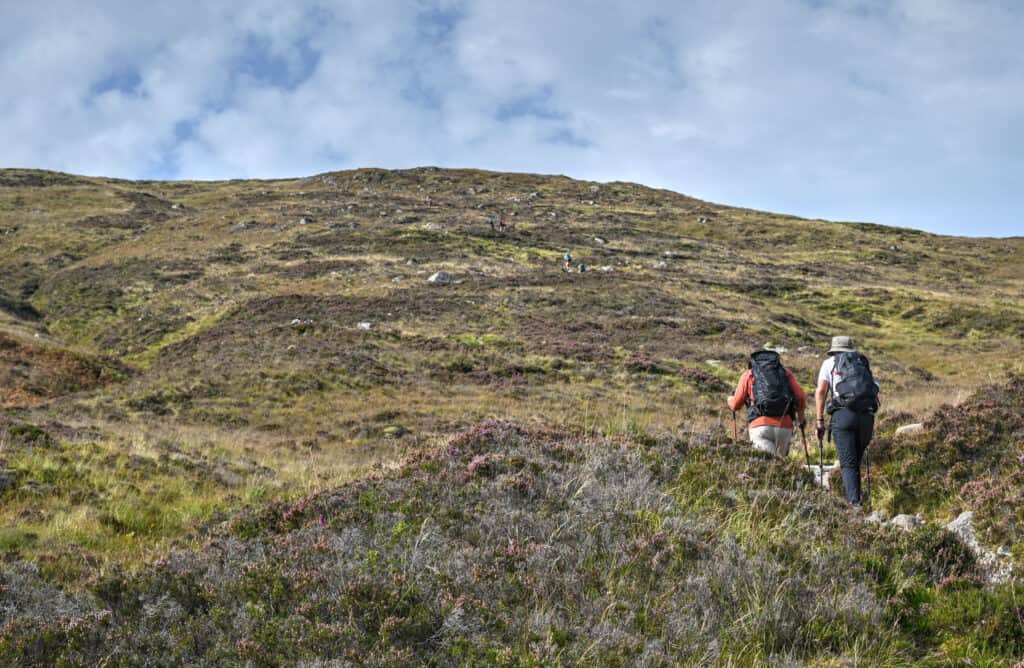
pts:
pixel 155 395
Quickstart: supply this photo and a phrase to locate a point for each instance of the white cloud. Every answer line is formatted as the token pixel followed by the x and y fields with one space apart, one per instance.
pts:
pixel 903 113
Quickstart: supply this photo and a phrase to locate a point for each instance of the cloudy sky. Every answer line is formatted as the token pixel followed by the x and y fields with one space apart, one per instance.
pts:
pixel 901 112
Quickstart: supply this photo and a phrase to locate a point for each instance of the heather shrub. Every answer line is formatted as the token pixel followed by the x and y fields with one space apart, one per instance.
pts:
pixel 513 546
pixel 971 457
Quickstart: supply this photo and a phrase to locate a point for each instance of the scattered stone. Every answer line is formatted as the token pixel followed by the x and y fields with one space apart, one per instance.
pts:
pixel 599 240
pixel 440 278
pixel 877 517
pixel 713 362
pixel 36 488
pixel 910 429
pixel 364 326
pixel 227 477
pixel 238 227
pixel 304 221
pixel 8 480
pixel 411 262
pixel 963 526
pixel 395 431
pixel 998 571
pixel 906 522
pixel 595 189
pixel 819 478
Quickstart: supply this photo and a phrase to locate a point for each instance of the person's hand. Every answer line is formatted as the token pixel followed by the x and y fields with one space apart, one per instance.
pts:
pixel 820 431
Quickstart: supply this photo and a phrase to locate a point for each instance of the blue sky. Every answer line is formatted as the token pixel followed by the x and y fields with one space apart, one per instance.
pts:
pixel 899 112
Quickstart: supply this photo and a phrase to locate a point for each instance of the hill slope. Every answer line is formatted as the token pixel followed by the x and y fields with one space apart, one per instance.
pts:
pixel 154 383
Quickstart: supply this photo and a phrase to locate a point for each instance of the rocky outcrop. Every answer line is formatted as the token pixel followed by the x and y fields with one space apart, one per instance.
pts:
pixel 910 430
pixel 997 563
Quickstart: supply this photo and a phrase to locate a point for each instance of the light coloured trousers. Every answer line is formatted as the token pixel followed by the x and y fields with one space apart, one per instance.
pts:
pixel 771 439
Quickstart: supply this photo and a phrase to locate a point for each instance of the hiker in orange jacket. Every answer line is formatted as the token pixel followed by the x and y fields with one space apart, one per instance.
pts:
pixel 782 400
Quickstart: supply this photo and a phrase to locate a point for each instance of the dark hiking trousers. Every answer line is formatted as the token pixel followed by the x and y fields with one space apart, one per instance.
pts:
pixel 852 432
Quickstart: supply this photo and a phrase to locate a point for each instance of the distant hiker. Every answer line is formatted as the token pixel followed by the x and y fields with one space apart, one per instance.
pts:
pixel 774 399
pixel 501 223
pixel 490 221
pixel 568 262
pixel 848 392
pixel 583 267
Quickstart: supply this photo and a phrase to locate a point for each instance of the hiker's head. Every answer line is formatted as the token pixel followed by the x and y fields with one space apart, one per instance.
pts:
pixel 841 344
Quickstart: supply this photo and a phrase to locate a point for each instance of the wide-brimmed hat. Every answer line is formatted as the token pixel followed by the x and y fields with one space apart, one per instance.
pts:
pixel 841 344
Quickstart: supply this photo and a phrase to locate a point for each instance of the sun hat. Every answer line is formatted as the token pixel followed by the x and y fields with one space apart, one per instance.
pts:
pixel 841 344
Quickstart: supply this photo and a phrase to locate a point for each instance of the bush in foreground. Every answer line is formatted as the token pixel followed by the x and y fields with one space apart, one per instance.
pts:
pixel 518 547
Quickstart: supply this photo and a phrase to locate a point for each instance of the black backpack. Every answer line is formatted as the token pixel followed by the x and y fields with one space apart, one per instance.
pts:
pixel 856 389
pixel 772 394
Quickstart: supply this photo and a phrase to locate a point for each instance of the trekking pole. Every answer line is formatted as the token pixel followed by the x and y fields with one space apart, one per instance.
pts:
pixel 734 432
pixel 867 476
pixel 821 462
pixel 803 439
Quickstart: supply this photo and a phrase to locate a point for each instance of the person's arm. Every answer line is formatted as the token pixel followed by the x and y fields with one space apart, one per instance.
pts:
pixel 820 393
pixel 801 398
pixel 739 397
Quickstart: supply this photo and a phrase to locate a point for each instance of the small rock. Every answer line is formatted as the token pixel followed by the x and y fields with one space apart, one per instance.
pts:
pixel 963 526
pixel 304 221
pixel 410 262
pixel 394 431
pixel 8 480
pixel 599 240
pixel 227 477
pixel 440 278
pixel 821 474
pixel 713 362
pixel 910 429
pixel 1004 551
pixel 595 189
pixel 363 325
pixel 907 522
pixel 877 517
